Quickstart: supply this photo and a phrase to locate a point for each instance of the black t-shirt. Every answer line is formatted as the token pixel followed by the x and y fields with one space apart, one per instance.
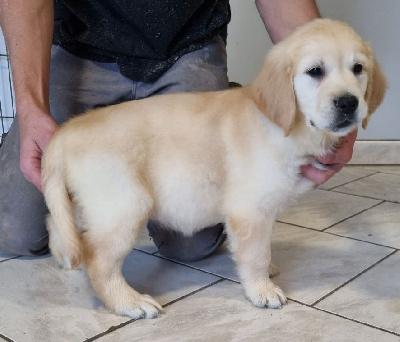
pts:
pixel 145 37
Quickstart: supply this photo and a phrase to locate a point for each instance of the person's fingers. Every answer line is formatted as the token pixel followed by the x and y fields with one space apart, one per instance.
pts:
pixel 35 136
pixel 344 152
pixel 318 176
pixel 30 163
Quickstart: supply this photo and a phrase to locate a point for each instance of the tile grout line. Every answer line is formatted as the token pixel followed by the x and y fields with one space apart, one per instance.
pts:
pixel 5 338
pixel 11 258
pixel 359 240
pixel 354 180
pixel 194 292
pixel 199 269
pixel 338 235
pixel 109 330
pixel 362 196
pixel 346 318
pixel 324 230
pixel 116 327
pixel 332 225
pixel 353 278
pixel 188 266
pixel 299 226
pixel 388 173
pixel 351 216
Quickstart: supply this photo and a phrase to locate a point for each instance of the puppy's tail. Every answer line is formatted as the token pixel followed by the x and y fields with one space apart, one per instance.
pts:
pixel 65 241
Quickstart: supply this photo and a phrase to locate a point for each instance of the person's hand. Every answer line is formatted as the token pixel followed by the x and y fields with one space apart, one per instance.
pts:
pixel 36 130
pixel 333 162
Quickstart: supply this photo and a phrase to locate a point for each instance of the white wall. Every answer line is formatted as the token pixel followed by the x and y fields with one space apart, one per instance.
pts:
pixel 377 21
pixel 248 41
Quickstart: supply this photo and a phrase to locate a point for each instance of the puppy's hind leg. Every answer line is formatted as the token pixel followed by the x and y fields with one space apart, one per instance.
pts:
pixel 105 248
pixel 104 255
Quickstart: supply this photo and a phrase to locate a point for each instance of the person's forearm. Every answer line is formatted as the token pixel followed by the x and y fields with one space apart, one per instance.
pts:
pixel 28 31
pixel 281 17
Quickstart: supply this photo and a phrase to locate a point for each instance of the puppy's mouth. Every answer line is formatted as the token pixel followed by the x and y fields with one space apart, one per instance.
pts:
pixel 343 125
pixel 339 127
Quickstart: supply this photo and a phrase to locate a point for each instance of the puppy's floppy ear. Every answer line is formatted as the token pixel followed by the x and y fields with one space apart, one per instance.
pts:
pixel 376 90
pixel 273 89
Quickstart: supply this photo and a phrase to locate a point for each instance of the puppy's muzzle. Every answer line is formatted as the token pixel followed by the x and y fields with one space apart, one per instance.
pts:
pixel 346 111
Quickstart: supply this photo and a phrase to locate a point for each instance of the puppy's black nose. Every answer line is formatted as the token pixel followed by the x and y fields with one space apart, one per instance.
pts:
pixel 346 104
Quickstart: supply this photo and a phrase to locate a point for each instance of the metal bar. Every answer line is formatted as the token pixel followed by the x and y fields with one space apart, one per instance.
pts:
pixel 10 84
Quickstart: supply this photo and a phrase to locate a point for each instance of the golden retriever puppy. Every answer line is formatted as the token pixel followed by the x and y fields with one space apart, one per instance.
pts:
pixel 194 160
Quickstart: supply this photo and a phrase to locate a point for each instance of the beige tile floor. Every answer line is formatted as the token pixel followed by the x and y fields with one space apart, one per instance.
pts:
pixel 337 249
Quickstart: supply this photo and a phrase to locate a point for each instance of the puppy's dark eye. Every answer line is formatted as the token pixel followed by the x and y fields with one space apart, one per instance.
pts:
pixel 316 72
pixel 357 69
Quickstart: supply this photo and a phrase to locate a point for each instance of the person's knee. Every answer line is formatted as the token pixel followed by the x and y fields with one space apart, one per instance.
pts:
pixel 22 206
pixel 175 245
pixel 22 226
pixel 25 246
pixel 23 239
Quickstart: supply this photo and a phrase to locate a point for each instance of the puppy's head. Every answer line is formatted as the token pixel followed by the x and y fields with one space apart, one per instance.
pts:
pixel 323 75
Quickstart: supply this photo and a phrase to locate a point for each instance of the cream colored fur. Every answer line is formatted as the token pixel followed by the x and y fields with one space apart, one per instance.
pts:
pixel 194 160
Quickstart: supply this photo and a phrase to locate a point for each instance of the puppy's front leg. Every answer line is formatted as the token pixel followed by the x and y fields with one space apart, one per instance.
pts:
pixel 250 243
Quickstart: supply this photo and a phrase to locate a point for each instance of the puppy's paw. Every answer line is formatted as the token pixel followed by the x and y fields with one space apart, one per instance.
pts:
pixel 139 306
pixel 273 270
pixel 265 294
pixel 64 262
